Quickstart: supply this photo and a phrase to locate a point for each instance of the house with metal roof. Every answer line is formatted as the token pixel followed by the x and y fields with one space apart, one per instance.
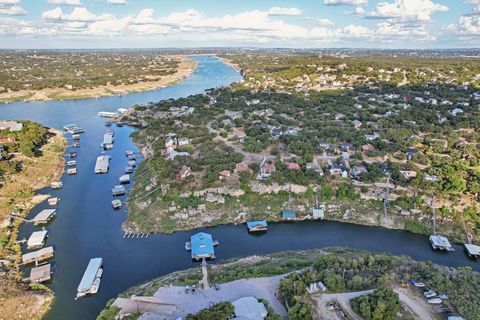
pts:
pixel 201 245
pixel 44 216
pixel 288 215
pixel 37 239
pixel 40 274
pixel 37 256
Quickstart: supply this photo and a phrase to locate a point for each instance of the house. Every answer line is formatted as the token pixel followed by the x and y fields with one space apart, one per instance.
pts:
pixel 338 168
pixel 456 111
pixel 293 166
pixel 267 168
pixel 242 167
pixel 357 171
pixel 12 126
pixel 184 172
pixel 368 147
pixel 315 167
pixel 372 137
pixel 347 147
pixel 183 141
pixel 411 152
pixel 7 140
pixel 288 215
pixel 224 174
pixel 170 141
pixel 408 174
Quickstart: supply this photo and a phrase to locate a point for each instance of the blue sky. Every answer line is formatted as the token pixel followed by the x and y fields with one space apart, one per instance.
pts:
pixel 242 23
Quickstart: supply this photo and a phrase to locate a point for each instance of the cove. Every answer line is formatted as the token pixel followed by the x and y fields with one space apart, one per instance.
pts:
pixel 86 226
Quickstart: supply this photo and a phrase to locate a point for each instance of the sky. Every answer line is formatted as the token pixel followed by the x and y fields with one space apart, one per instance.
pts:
pixel 416 24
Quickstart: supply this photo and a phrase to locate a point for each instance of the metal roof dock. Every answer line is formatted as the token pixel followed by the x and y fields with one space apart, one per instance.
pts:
pixel 44 216
pixel 202 246
pixel 102 164
pixel 258 225
pixel 440 243
pixel 124 179
pixel 41 274
pixel 37 256
pixel 89 276
pixel 288 215
pixel 107 139
pixel 118 190
pixel 37 239
pixel 473 251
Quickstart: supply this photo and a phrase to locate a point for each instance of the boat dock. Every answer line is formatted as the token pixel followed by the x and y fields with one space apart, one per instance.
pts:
pixel 71 171
pixel 41 273
pixel 257 226
pixel 106 114
pixel 44 216
pixel 202 246
pixel 37 239
pixel 124 179
pixel 116 204
pixel 118 190
pixel 102 164
pixel 135 235
pixel 473 251
pixel 37 256
pixel 107 142
pixel 440 243
pixel 90 275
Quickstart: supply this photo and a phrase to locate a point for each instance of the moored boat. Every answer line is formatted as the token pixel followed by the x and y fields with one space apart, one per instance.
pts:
pixel 56 185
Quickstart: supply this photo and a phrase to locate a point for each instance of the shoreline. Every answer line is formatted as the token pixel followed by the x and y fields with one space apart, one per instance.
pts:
pixel 39 298
pixel 185 69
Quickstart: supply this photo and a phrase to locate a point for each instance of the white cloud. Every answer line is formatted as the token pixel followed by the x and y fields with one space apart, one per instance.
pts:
pixel 359 11
pixel 358 32
pixel 66 2
pixel 278 11
pixel 117 1
pixel 324 22
pixel 12 10
pixel 343 2
pixel 9 2
pixel 407 10
pixel 78 14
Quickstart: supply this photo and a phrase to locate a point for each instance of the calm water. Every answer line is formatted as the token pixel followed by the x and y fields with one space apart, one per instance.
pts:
pixel 86 226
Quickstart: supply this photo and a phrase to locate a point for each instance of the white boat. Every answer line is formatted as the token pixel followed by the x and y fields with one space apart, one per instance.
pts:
pixel 53 201
pixel 56 185
pixel 435 301
pixel 72 171
pixel 124 179
pixel 72 163
pixel 95 286
pixel 116 204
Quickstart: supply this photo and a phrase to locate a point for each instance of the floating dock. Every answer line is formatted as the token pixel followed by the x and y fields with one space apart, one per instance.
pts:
pixel 72 171
pixel 37 239
pixel 257 226
pixel 118 190
pixel 440 243
pixel 68 127
pixel 38 256
pixel 56 185
pixel 116 204
pixel 53 201
pixel 44 216
pixel 91 274
pixel 106 114
pixel 72 163
pixel 41 274
pixel 129 169
pixel 473 251
pixel 107 142
pixel 124 179
pixel 102 164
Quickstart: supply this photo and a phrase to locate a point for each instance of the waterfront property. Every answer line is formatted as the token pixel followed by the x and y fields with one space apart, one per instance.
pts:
pixel 258 225
pixel 37 239
pixel 288 215
pixel 89 283
pixel 41 273
pixel 102 164
pixel 38 256
pixel 44 216
pixel 440 243
pixel 201 244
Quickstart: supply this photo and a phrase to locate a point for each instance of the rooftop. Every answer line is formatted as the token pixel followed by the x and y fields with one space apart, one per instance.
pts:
pixel 202 245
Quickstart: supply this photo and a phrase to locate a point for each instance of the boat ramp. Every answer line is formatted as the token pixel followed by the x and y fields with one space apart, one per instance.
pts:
pixel 44 216
pixel 135 235
pixel 102 164
pixel 92 273
pixel 37 256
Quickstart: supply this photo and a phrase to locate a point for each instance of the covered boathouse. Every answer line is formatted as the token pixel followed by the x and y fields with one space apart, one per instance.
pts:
pixel 202 246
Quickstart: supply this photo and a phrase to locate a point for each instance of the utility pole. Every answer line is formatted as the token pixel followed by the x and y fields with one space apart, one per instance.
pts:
pixel 433 215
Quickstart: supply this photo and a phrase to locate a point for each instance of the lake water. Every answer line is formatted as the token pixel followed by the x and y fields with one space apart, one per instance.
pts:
pixel 86 226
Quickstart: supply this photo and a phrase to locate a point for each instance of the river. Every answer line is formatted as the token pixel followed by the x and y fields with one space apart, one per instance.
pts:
pixel 86 226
